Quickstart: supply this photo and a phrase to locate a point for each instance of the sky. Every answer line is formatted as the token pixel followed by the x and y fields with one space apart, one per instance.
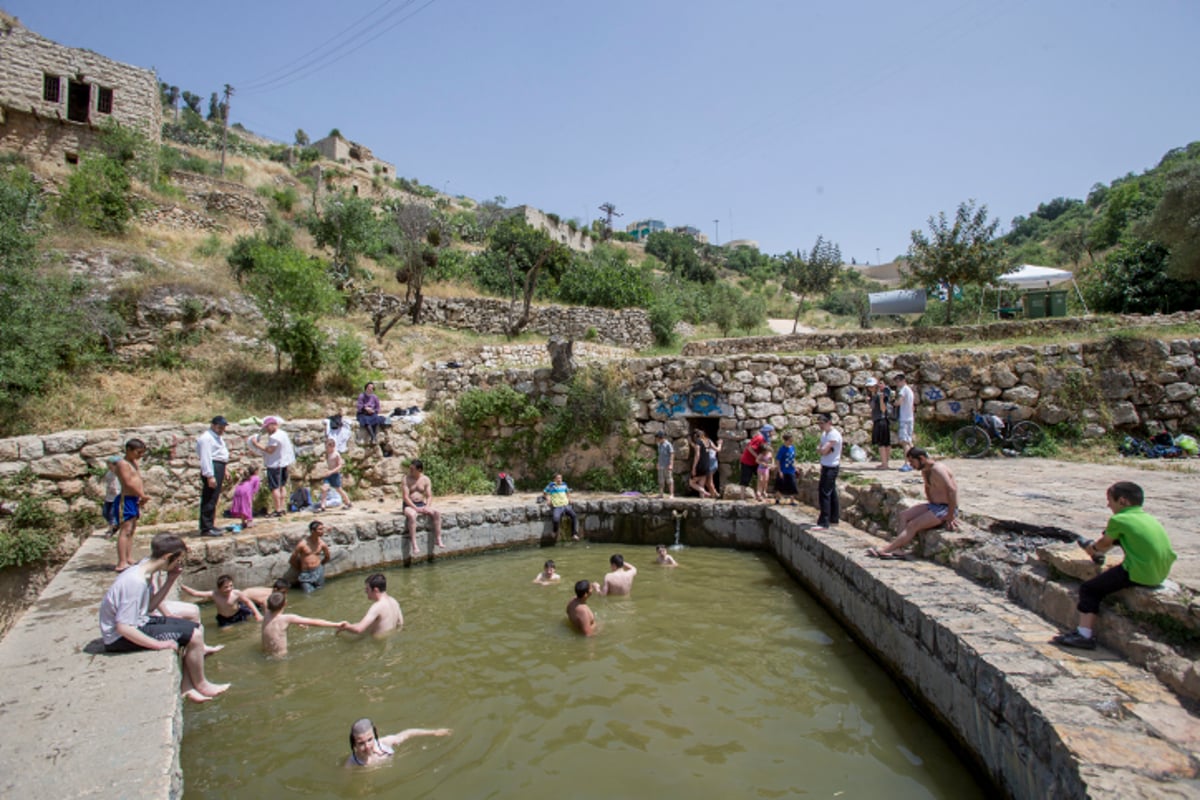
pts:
pixel 771 120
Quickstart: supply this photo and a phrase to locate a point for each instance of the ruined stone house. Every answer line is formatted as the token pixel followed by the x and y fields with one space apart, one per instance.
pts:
pixel 357 157
pixel 54 99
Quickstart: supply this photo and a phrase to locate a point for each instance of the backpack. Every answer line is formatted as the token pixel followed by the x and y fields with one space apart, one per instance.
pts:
pixel 504 484
pixel 1187 444
pixel 300 499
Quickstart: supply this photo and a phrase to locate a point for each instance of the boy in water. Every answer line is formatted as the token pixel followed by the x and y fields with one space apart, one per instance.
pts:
pixel 665 560
pixel 547 577
pixel 275 625
pixel 260 594
pixel 581 617
pixel 232 606
pixel 619 580
pixel 310 557
pixel 384 615
pixel 367 749
pixel 129 504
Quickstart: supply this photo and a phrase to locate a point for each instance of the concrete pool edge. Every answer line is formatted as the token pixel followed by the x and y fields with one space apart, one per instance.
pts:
pixel 1039 719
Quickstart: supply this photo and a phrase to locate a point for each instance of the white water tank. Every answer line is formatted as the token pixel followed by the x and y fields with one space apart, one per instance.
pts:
pixel 900 301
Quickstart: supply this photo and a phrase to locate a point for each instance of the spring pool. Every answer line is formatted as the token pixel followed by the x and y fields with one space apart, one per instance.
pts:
pixel 721 678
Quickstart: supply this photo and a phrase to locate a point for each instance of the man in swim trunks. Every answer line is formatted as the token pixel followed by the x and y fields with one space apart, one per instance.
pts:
pixel 581 617
pixel 384 615
pixel 126 625
pixel 129 504
pixel 619 580
pixel 233 606
pixel 941 492
pixel 310 557
pixel 418 501
pixel 367 749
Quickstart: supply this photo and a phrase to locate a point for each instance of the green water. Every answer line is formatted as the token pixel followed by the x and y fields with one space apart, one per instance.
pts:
pixel 718 679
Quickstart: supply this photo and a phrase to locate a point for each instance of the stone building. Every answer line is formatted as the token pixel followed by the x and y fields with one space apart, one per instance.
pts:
pixel 561 231
pixel 54 99
pixel 357 157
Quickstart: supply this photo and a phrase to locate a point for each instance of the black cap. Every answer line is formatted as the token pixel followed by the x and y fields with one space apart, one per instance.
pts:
pixel 219 420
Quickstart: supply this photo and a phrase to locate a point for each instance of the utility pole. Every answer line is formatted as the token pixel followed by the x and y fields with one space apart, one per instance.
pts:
pixel 877 261
pixel 717 231
pixel 225 130
pixel 610 211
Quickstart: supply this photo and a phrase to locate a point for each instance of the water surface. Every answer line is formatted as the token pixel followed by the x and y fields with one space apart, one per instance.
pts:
pixel 719 679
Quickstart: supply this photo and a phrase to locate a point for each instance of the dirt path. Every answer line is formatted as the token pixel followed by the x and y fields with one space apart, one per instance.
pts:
pixel 784 326
pixel 1071 496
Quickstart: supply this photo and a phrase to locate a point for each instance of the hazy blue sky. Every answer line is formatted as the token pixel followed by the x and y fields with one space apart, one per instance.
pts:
pixel 782 119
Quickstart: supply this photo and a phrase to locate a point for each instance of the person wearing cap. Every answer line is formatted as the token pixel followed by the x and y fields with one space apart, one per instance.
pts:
pixel 749 459
pixel 881 429
pixel 278 455
pixel 830 451
pixel 214 455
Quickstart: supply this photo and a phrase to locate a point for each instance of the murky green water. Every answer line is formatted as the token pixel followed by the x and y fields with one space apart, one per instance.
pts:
pixel 718 679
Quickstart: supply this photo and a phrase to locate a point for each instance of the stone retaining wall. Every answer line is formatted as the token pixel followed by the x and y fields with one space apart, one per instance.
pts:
pixel 894 337
pixel 1116 384
pixel 628 327
pixel 66 469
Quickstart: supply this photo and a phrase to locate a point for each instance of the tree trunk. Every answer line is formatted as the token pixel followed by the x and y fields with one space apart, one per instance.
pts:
pixel 950 304
pixel 799 309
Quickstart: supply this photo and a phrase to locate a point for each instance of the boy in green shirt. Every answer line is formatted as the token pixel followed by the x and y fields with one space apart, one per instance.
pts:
pixel 1148 559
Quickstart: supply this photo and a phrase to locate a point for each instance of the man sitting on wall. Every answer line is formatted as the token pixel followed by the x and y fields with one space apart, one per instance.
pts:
pixel 941 508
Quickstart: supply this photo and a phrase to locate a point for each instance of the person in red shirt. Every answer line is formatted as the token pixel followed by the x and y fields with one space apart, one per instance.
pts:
pixel 749 459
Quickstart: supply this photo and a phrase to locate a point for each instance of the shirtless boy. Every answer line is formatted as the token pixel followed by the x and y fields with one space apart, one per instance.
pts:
pixel 664 560
pixel 275 625
pixel 547 577
pixel 232 605
pixel 581 617
pixel 619 580
pixel 418 500
pixel 941 492
pixel 384 615
pixel 129 503
pixel 260 594
pixel 126 624
pixel 367 749
pixel 310 557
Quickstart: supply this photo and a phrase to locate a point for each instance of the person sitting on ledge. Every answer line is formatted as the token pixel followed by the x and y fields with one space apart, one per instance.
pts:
pixel 558 496
pixel 1148 559
pixel 127 626
pixel 941 492
pixel 367 412
pixel 368 749
pixel 417 491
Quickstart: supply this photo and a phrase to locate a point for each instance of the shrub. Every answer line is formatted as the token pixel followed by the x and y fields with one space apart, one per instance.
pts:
pixel 597 403
pixel 346 357
pixel 98 196
pixel 210 247
pixel 606 277
pixel 663 316
pixel 481 407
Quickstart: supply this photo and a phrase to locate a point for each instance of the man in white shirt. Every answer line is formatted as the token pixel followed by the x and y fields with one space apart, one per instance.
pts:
pixel 830 450
pixel 904 403
pixel 278 454
pixel 213 454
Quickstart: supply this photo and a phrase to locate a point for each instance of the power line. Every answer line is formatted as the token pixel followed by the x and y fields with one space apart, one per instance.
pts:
pixel 316 67
pixel 264 77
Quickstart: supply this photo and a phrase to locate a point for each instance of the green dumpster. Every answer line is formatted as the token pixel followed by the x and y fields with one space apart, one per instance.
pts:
pixel 1035 304
pixel 1058 303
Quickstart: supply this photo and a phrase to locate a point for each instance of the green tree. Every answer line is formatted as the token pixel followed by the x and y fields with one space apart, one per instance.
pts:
pixel 961 252
pixel 522 255
pixel 192 102
pixel 293 291
pixel 1176 220
pixel 347 226
pixel 301 138
pixel 98 195
pixel 1135 279
pixel 605 277
pixel 678 252
pixel 814 274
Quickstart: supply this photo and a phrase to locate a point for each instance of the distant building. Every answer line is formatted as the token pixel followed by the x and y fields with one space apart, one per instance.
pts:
pixel 733 244
pixel 55 99
pixel 688 230
pixel 559 230
pixel 354 155
pixel 643 228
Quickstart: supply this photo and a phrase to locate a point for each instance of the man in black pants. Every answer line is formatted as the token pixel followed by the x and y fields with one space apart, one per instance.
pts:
pixel 210 447
pixel 830 450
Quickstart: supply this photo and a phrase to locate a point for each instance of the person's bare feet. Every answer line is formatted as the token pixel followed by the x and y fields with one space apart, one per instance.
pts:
pixel 121 567
pixel 211 690
pixel 439 544
pixel 195 696
pixel 209 649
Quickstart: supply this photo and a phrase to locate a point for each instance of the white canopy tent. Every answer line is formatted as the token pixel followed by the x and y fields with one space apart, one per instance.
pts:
pixel 1029 276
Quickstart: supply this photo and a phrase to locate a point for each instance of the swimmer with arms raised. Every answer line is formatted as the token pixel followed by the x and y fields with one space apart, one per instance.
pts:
pixel 367 749
pixel 619 580
pixel 581 617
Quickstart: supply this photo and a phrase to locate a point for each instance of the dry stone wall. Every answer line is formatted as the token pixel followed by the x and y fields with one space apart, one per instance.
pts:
pixel 1120 384
pixel 66 469
pixel 628 327
pixel 898 337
